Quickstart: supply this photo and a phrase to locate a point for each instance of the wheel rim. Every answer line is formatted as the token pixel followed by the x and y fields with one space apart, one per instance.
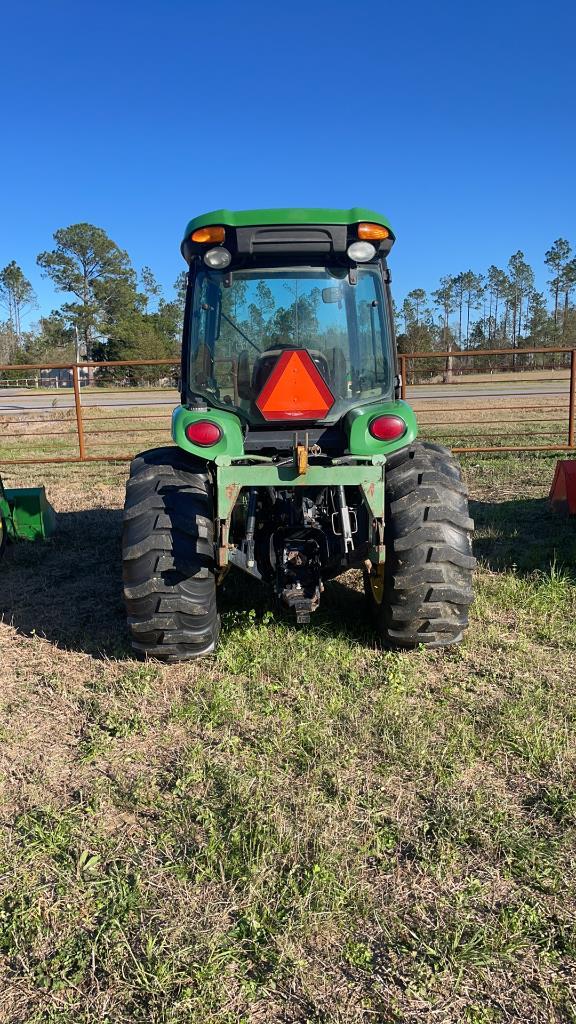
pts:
pixel 376 578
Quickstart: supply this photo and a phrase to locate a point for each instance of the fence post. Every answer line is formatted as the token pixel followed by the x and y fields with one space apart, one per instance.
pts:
pixel 572 403
pixel 403 377
pixel 78 404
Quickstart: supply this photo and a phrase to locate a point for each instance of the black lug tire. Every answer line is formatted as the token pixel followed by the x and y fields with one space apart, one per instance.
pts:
pixel 168 557
pixel 427 585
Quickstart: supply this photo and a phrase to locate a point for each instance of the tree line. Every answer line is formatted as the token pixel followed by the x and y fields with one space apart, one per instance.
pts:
pixel 500 309
pixel 114 313
pixel 111 311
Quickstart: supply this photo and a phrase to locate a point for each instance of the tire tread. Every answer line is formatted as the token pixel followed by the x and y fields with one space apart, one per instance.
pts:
pixel 168 557
pixel 429 561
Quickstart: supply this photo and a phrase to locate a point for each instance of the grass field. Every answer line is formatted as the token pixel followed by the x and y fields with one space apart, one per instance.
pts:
pixel 302 828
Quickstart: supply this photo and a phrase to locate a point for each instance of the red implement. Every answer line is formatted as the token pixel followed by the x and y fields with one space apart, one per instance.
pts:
pixel 563 490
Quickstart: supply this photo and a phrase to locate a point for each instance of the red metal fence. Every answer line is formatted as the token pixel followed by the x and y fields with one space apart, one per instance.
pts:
pixel 497 400
pixel 539 406
pixel 68 418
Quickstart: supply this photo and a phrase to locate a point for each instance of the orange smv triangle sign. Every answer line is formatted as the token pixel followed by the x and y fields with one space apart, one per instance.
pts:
pixel 295 390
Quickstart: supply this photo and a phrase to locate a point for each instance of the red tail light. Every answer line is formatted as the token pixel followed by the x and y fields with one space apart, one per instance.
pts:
pixel 387 428
pixel 204 433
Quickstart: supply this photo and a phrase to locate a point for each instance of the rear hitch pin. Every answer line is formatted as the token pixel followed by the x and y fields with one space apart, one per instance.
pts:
pixel 250 527
pixel 347 542
pixel 301 455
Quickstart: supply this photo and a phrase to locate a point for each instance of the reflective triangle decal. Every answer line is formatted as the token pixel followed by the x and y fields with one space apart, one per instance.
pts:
pixel 295 390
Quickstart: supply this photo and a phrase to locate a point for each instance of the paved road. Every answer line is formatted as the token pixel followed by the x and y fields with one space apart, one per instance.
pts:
pixel 18 400
pixel 12 400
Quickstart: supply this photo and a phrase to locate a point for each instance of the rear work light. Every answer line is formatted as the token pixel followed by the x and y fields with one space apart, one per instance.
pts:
pixel 387 428
pixel 218 258
pixel 361 252
pixel 203 433
pixel 210 234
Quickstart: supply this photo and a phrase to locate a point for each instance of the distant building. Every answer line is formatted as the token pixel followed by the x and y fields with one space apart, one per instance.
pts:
pixel 62 378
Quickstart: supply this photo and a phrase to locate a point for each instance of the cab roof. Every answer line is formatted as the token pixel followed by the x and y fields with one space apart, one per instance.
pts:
pixel 291 215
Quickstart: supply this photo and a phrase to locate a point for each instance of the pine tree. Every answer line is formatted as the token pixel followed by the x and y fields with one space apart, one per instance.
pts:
pixel 521 285
pixel 556 259
pixel 16 295
pixel 417 297
pixel 446 300
pixel 473 288
pixel 567 284
pixel 89 265
pixel 497 287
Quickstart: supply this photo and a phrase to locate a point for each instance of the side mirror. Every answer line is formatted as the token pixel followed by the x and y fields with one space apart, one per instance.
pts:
pixel 331 294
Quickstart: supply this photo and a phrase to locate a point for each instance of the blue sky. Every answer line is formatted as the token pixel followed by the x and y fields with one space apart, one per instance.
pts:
pixel 457 120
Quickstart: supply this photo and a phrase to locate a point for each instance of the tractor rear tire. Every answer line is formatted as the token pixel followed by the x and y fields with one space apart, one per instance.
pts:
pixel 422 593
pixel 168 557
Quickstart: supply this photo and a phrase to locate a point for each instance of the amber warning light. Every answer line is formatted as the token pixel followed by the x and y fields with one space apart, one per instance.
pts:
pixel 208 234
pixel 372 231
pixel 295 390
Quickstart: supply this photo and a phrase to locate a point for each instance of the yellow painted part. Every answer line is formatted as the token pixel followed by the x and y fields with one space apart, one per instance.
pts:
pixel 376 578
pixel 301 458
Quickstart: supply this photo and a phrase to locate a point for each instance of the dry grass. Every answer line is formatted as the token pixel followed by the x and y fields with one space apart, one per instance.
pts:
pixel 108 432
pixel 507 421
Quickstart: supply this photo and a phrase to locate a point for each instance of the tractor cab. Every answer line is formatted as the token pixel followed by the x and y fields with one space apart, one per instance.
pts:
pixel 309 302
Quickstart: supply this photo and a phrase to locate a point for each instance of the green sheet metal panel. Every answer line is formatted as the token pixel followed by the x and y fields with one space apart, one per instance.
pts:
pixel 31 516
pixel 5 519
pixel 357 424
pixel 232 477
pixel 231 443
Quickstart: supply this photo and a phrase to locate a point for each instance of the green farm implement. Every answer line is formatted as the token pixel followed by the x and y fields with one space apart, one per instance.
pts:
pixel 25 514
pixel 295 459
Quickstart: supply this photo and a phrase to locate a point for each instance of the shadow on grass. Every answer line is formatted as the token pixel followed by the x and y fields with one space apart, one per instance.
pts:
pixel 523 535
pixel 69 590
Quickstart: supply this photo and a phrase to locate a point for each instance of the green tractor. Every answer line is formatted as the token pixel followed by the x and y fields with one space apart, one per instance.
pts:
pixel 295 458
